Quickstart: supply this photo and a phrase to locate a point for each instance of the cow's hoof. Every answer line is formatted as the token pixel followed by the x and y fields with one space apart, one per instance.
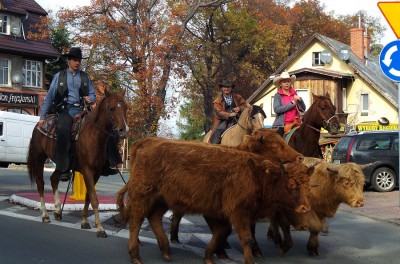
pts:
pixel 85 226
pixel 101 234
pixel 167 257
pixel 222 254
pixel 58 216
pixel 209 261
pixel 314 253
pixel 175 241
pixel 257 253
pixel 136 261
pixel 46 219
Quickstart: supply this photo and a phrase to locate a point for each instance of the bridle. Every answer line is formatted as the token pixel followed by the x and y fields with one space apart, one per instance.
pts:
pixel 325 122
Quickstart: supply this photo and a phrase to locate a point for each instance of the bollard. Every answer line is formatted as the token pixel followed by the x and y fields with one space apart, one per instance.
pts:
pixel 78 187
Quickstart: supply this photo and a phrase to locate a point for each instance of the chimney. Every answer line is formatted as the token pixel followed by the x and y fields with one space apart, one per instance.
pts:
pixel 357 42
pixel 367 45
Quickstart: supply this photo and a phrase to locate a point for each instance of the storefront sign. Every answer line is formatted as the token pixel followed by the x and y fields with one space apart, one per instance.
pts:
pixel 376 127
pixel 19 99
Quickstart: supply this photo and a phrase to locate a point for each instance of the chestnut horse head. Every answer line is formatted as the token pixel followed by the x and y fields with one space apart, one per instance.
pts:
pixel 321 114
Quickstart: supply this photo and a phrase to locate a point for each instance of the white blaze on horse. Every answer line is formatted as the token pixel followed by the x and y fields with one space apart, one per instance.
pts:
pixel 252 118
pixel 107 118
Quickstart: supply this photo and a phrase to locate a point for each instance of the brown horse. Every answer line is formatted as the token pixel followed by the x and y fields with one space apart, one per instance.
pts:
pixel 109 116
pixel 251 119
pixel 321 114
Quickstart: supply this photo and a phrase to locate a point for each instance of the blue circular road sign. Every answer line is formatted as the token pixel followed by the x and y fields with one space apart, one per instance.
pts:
pixel 389 60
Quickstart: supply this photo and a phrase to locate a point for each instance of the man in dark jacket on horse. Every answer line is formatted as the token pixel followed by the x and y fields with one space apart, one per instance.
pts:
pixel 227 108
pixel 69 92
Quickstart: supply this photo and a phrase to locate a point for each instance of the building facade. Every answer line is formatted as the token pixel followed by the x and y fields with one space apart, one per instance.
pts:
pixel 22 60
pixel 358 88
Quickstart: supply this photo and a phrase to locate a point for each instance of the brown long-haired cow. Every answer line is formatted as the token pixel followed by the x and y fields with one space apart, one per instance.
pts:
pixel 228 185
pixel 335 184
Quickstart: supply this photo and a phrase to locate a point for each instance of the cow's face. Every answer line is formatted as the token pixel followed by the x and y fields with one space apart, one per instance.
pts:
pixel 349 183
pixel 297 185
pixel 271 146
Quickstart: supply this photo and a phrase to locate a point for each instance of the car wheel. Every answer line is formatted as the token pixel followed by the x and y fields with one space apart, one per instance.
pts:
pixel 383 180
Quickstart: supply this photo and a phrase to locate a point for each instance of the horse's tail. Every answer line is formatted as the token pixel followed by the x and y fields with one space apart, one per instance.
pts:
pixel 122 207
pixel 31 161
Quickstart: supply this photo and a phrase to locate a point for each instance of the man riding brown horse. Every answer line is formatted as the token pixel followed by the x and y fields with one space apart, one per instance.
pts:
pixel 69 92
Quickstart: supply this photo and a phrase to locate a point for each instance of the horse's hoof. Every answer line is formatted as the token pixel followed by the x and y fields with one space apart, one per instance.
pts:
pixel 85 226
pixel 58 216
pixel 282 252
pixel 101 234
pixel 314 253
pixel 46 219
pixel 136 261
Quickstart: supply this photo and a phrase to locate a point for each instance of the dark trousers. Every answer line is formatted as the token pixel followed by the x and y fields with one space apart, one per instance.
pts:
pixel 280 131
pixel 224 125
pixel 114 158
pixel 63 141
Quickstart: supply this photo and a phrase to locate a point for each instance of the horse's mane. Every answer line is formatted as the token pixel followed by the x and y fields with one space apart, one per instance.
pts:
pixel 94 113
pixel 256 110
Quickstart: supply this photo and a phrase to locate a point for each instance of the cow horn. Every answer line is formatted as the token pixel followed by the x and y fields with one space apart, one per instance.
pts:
pixel 333 169
pixel 311 162
pixel 363 166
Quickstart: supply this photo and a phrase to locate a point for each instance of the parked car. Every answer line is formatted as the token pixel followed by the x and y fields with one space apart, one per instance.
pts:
pixel 365 147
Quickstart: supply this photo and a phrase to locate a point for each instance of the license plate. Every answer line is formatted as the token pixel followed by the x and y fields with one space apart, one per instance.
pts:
pixel 336 161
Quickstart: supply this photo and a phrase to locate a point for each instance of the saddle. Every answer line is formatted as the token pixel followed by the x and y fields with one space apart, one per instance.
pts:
pixel 290 126
pixel 49 129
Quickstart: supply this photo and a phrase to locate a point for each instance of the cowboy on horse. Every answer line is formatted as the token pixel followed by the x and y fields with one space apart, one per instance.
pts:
pixel 227 108
pixel 70 91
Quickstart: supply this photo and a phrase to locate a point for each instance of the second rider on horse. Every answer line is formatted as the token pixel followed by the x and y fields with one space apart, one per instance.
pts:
pixel 227 108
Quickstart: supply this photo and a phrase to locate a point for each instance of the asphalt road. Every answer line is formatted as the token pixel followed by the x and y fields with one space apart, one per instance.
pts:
pixel 366 235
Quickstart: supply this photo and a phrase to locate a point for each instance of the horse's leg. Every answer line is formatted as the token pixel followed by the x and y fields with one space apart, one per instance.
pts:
pixel 91 191
pixel 57 204
pixel 85 224
pixel 155 220
pixel 40 188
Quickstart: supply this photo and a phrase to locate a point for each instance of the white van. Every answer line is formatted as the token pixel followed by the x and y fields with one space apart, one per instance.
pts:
pixel 15 135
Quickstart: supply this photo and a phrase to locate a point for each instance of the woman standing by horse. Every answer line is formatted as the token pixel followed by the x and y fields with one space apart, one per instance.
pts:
pixel 287 104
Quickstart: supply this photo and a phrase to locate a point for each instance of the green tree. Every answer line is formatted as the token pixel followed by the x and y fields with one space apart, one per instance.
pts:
pixel 191 124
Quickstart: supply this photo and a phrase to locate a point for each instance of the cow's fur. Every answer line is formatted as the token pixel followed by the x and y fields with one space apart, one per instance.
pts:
pixel 333 184
pixel 228 185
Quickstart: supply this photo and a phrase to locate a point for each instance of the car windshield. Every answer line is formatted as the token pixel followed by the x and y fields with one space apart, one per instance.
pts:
pixel 343 144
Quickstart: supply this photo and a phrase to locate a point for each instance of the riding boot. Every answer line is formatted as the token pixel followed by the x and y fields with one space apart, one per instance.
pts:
pixel 64 123
pixel 216 137
pixel 113 156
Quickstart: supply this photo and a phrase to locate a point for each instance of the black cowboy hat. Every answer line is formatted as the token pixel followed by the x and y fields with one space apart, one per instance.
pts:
pixel 74 53
pixel 225 83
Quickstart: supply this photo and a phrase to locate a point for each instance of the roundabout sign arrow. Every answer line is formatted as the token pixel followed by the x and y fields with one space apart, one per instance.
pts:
pixel 389 60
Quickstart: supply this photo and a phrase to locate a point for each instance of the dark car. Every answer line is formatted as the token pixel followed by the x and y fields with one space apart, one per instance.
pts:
pixel 365 147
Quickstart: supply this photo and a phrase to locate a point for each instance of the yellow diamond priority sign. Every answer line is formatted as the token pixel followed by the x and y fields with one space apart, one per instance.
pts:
pixel 391 11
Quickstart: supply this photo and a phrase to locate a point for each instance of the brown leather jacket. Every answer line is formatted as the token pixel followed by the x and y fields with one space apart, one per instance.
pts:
pixel 219 108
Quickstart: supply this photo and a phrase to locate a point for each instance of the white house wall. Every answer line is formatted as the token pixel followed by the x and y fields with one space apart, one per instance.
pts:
pixel 378 106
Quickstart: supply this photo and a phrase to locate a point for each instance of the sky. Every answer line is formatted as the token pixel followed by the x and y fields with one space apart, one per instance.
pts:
pixel 340 7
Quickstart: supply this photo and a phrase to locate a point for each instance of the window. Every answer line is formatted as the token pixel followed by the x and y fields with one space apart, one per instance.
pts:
pixel 364 104
pixel 3 24
pixel 316 56
pixel 344 99
pixel 4 71
pixel 377 142
pixel 32 73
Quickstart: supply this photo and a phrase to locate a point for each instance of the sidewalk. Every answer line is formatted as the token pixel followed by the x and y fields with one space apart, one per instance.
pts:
pixel 380 206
